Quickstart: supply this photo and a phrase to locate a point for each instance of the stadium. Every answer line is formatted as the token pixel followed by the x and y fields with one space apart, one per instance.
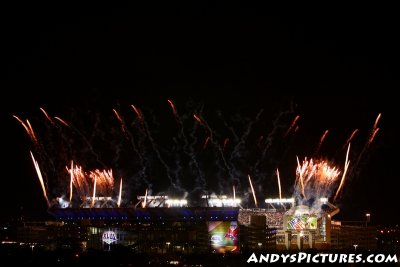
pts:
pixel 158 224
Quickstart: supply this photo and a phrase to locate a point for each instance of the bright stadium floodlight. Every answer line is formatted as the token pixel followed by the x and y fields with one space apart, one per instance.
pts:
pixel 279 200
pixel 324 200
pixel 176 202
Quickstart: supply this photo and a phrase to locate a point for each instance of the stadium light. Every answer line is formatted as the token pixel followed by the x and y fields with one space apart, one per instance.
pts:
pixel 279 200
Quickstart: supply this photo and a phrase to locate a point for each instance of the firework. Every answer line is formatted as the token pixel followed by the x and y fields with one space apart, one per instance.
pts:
pixel 173 107
pixel 46 115
pixel 28 128
pixel 234 192
pixel 373 136
pixel 145 199
pixel 252 190
pixel 94 191
pixel 350 138
pixel 316 178
pixel 138 112
pixel 292 125
pixel 39 174
pixel 279 183
pixel 206 142
pixel 120 194
pixel 225 143
pixel 62 121
pixel 346 166
pixel 71 182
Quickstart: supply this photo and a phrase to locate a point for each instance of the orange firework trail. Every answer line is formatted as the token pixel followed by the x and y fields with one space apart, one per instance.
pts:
pixel 138 113
pixel 300 176
pixel 71 182
pixel 123 126
pixel 252 190
pixel 225 143
pixel 350 138
pixel 279 183
pixel 145 199
pixel 62 121
pixel 120 194
pixel 346 166
pixel 94 191
pixel 206 142
pixel 323 137
pixel 373 136
pixel 376 121
pixel 47 116
pixel 39 174
pixel 28 128
pixel 321 140
pixel 173 107
pixel 292 125
pixel 197 118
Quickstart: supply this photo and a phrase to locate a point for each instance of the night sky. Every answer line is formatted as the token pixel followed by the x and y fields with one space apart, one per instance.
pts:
pixel 336 73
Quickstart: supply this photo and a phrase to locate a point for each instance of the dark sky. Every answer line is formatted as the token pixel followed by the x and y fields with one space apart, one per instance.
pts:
pixel 336 72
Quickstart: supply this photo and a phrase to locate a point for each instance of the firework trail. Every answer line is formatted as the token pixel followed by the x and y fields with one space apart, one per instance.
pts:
pixel 234 193
pixel 225 143
pixel 47 116
pixel 321 141
pixel 301 178
pixel 259 143
pixel 350 138
pixel 94 191
pixel 206 142
pixel 373 136
pixel 217 145
pixel 175 184
pixel 120 194
pixel 70 126
pixel 62 121
pixel 268 143
pixel 71 182
pixel 346 166
pixel 138 113
pixel 128 135
pixel 39 174
pixel 173 107
pixel 292 125
pixel 123 126
pixel 145 199
pixel 235 136
pixel 252 190
pixel 279 183
pixel 28 128
pixel 194 164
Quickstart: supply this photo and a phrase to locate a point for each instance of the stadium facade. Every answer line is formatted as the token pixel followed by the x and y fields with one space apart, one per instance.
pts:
pixel 161 227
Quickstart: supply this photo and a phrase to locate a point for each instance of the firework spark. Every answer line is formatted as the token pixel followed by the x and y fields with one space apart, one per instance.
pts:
pixel 252 190
pixel 292 125
pixel 373 136
pixel 28 128
pixel 346 166
pixel 206 142
pixel 350 138
pixel 138 113
pixel 173 107
pixel 145 199
pixel 279 183
pixel 225 143
pixel 94 190
pixel 120 194
pixel 46 115
pixel 62 121
pixel 234 193
pixel 71 182
pixel 317 176
pixel 39 174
